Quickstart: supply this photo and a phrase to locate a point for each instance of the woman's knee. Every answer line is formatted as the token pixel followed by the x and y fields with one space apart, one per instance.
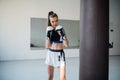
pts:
pixel 62 73
pixel 50 72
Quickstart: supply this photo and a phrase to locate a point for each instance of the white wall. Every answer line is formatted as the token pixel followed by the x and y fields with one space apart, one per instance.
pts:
pixel 115 25
pixel 15 25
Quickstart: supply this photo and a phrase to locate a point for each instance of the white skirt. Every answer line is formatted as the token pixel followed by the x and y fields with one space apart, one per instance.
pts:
pixel 55 58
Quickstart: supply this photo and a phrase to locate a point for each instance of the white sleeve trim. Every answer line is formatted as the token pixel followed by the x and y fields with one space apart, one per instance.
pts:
pixel 58 27
pixel 49 28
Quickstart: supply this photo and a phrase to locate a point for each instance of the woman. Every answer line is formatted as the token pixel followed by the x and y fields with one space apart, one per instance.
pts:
pixel 55 55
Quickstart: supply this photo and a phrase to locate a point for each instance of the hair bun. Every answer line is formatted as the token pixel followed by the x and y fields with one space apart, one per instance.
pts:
pixel 51 12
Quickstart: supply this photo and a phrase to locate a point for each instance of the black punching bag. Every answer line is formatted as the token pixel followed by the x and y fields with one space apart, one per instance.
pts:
pixel 94 40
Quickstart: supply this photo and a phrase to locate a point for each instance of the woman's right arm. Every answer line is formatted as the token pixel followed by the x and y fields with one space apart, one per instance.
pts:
pixel 48 43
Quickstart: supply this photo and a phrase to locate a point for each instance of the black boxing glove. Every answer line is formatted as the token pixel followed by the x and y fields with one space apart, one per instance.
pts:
pixel 49 31
pixel 52 34
pixel 61 32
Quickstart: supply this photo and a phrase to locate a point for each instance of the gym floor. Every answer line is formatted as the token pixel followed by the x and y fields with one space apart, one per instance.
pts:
pixel 37 70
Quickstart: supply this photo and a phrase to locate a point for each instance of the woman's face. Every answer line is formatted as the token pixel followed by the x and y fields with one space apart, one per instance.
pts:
pixel 54 21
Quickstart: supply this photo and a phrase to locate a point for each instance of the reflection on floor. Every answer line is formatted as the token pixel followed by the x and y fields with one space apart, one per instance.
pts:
pixel 37 70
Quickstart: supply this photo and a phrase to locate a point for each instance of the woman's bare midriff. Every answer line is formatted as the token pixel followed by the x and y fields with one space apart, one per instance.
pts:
pixel 57 46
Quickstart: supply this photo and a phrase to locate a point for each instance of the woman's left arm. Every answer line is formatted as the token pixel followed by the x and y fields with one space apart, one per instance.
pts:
pixel 66 43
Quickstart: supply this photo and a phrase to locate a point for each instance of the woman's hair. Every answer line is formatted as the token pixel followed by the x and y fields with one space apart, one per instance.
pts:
pixel 51 14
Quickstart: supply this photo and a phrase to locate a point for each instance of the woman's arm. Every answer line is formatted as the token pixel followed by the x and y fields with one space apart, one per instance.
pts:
pixel 48 44
pixel 66 43
pixel 48 36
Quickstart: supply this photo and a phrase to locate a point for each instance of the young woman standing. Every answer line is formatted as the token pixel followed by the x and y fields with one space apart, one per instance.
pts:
pixel 56 37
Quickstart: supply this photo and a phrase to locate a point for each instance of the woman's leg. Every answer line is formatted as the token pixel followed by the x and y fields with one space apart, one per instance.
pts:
pixel 62 72
pixel 50 72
